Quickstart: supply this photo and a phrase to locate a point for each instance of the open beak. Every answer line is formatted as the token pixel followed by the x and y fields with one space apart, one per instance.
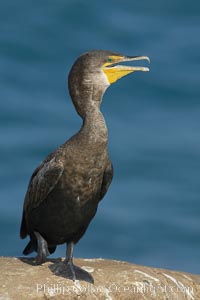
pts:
pixel 114 71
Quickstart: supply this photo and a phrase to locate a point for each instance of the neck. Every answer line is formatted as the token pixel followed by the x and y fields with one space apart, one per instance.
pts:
pixel 94 127
pixel 87 99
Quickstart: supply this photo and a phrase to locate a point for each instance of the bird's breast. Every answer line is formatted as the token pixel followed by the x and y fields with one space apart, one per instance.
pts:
pixel 82 179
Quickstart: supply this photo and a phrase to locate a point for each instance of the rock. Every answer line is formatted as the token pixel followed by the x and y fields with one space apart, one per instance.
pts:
pixel 21 279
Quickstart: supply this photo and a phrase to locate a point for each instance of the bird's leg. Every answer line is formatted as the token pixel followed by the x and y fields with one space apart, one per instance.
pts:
pixel 69 259
pixel 42 249
pixel 68 270
pixel 69 252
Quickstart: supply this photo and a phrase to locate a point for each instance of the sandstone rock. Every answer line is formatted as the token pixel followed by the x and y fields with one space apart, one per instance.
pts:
pixel 21 279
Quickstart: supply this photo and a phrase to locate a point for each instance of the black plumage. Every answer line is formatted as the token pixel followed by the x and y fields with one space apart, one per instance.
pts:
pixel 65 190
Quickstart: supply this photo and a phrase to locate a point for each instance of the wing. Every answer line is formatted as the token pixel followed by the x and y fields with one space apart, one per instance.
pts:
pixel 107 178
pixel 43 181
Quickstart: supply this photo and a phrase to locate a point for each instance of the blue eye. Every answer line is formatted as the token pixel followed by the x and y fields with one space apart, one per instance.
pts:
pixel 109 59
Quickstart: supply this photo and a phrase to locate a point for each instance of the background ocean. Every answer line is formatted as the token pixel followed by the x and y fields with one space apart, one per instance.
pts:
pixel 151 214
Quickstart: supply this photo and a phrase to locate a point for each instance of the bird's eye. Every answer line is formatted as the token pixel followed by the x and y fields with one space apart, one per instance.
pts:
pixel 109 59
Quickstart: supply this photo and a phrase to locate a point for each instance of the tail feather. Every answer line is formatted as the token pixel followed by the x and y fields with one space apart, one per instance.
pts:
pixel 52 249
pixel 23 229
pixel 31 246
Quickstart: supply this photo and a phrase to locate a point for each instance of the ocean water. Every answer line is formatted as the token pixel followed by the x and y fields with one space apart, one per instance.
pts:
pixel 151 214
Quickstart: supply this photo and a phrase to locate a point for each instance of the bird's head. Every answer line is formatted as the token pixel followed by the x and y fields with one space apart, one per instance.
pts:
pixel 94 71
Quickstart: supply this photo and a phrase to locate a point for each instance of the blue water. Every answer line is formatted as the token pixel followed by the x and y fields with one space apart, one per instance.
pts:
pixel 151 214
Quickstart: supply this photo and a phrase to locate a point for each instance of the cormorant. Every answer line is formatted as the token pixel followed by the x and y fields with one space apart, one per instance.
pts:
pixel 66 188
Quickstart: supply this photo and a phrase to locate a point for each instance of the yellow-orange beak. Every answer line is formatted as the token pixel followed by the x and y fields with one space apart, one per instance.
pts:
pixel 115 72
